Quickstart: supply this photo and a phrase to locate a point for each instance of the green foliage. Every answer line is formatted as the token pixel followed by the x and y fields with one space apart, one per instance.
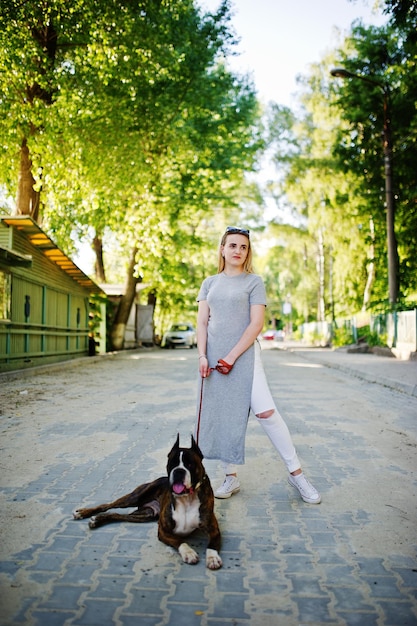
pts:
pixel 342 337
pixel 96 302
pixel 140 135
pixel 323 199
pixel 372 338
pixel 137 131
pixel 387 58
pixel 403 13
pixel 289 272
pixel 330 160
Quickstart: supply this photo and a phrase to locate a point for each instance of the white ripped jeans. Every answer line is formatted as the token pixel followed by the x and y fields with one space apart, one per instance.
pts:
pixel 274 426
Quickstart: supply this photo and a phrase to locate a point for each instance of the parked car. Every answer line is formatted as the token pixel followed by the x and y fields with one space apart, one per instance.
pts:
pixel 274 335
pixel 180 335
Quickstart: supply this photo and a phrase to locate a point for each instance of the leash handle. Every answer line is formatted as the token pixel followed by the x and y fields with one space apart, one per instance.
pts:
pixel 223 367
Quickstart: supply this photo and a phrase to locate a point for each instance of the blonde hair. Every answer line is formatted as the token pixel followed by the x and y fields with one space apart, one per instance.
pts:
pixel 247 267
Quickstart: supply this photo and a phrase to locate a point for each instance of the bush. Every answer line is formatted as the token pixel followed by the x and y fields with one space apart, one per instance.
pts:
pixel 374 339
pixel 342 337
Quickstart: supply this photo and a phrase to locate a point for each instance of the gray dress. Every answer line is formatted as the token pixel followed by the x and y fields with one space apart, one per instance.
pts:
pixel 223 412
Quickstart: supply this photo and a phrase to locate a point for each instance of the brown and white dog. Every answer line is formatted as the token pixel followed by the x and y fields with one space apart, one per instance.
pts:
pixel 182 502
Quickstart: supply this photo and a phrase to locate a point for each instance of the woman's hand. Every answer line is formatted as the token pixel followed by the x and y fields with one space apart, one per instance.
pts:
pixel 203 367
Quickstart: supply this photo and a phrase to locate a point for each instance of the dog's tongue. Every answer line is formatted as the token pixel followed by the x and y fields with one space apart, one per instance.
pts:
pixel 178 488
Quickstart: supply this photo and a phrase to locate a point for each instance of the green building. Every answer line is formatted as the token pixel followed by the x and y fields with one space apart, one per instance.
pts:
pixel 45 311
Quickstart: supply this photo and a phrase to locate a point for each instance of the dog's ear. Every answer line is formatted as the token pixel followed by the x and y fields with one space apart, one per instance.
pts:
pixel 194 446
pixel 175 446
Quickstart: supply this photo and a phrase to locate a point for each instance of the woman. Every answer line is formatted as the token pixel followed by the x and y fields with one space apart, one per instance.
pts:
pixel 231 314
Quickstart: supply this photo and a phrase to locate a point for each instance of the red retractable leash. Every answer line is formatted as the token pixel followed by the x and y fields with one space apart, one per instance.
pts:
pixel 223 368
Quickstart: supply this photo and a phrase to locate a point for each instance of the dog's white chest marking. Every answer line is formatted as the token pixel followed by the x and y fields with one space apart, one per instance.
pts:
pixel 186 515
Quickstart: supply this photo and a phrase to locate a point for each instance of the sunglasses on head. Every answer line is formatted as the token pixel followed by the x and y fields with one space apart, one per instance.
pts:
pixel 233 230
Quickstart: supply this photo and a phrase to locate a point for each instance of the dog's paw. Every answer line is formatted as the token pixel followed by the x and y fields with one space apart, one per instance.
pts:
pixel 213 560
pixel 92 522
pixel 188 555
pixel 77 514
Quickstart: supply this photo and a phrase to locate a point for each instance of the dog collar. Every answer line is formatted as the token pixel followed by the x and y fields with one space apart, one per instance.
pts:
pixel 198 485
pixel 192 490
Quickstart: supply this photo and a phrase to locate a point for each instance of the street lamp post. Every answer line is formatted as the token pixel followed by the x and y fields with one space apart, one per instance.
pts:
pixel 392 250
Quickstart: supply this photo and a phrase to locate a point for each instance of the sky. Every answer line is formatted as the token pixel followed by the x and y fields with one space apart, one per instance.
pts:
pixel 280 38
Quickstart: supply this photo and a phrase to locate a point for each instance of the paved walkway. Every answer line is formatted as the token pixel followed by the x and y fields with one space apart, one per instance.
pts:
pixel 85 432
pixel 383 370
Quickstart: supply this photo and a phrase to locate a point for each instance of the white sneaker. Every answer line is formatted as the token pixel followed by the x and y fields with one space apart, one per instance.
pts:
pixel 307 491
pixel 230 486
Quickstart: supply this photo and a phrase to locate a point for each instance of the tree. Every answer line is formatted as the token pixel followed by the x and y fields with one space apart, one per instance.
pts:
pixel 135 128
pixel 385 61
pixel 329 256
pixel 331 175
pixel 403 13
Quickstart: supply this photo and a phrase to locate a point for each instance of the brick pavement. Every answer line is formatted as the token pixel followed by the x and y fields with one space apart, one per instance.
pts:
pixel 349 561
pixel 387 371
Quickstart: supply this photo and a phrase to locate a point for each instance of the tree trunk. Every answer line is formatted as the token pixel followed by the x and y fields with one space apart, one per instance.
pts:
pixel 370 268
pixel 99 264
pixel 27 200
pixel 321 313
pixel 117 333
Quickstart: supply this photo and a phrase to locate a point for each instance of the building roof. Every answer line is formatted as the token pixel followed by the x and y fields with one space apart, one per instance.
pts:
pixel 40 240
